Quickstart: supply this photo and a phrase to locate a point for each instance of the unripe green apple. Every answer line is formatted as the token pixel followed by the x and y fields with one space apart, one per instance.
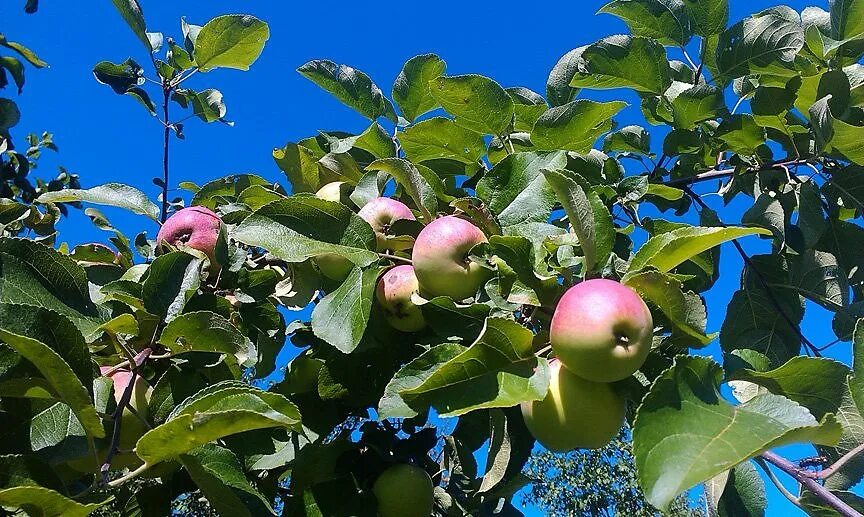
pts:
pixel 394 291
pixel 601 330
pixel 440 258
pixel 195 227
pixel 576 413
pixel 381 213
pixel 333 266
pixel 337 191
pixel 404 491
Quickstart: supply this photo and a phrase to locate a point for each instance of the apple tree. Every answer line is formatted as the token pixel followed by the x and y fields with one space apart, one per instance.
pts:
pixel 485 267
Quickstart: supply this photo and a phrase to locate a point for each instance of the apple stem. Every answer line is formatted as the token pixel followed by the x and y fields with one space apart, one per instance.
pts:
pixel 396 258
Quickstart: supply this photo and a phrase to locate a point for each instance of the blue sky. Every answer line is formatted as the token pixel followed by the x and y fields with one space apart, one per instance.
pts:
pixel 105 137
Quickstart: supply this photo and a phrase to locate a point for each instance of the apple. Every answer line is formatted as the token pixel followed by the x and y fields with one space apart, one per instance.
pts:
pixel 404 491
pixel 337 191
pixel 303 374
pixel 195 227
pixel 440 258
pixel 394 294
pixel 575 414
pixel 333 266
pixel 381 213
pixel 601 330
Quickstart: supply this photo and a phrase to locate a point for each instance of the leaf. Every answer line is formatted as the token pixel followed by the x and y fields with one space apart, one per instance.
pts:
pixel 625 62
pixel 36 275
pixel 767 213
pixel 411 90
pixel 301 227
pixel 558 89
pixel 171 280
pixel 692 104
pixel 498 370
pixel 667 250
pixel 816 506
pixel 15 68
pixel 300 165
pixel 124 78
pixel 9 114
pixel 438 138
pixel 575 126
pixel 44 502
pixel 744 493
pixel 708 17
pixel 217 411
pixel 588 216
pixel 516 191
pixel 60 376
pixel 666 21
pixel 477 102
pixel 741 134
pixel 764 43
pixel 23 51
pixel 847 20
pixel 219 475
pixel 817 276
pixel 528 104
pixel 352 87
pixel 205 331
pixel 340 318
pixel 230 41
pixel 685 309
pixel 132 14
pixel 672 455
pixel 628 139
pixel 753 322
pixel 206 104
pixel 415 185
pixel 110 194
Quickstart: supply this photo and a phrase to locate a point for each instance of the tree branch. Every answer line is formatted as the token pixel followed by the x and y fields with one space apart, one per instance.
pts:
pixel 715 173
pixel 166 97
pixel 773 478
pixel 804 478
pixel 396 258
pixel 837 465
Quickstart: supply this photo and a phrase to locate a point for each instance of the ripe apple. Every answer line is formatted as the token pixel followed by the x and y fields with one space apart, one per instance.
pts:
pixel 440 258
pixel 337 191
pixel 394 294
pixel 381 213
pixel 576 413
pixel 195 227
pixel 404 491
pixel 601 330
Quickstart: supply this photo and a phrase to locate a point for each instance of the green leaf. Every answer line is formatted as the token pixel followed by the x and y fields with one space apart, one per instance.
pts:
pixel 685 309
pixel 817 276
pixel 516 191
pixel 23 51
pixel 206 104
pixel 415 185
pixel 411 90
pixel 15 68
pixel 575 126
pixel 9 114
pixel 816 506
pixel 438 138
pixel 132 14
pixel 726 436
pixel 219 475
pixel 707 17
pixel 690 105
pixel 847 20
pixel 36 275
pixel 558 89
pixel 666 21
pixel 588 216
pixel 767 213
pixel 628 139
pixel 856 379
pixel 340 318
pixel 217 411
pixel 376 141
pixel 302 226
pixel 205 331
pixel 625 62
pixel 529 105
pixel 63 380
pixel 125 79
pixel 354 88
pixel 477 102
pixel 110 194
pixel 230 41
pixel 667 250
pixel 764 43
pixel 498 370
pixel 744 493
pixel 300 165
pixel 741 134
pixel 44 502
pixel 171 280
pixel 754 323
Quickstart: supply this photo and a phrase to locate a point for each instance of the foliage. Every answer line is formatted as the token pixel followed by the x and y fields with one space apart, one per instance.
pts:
pixel 202 327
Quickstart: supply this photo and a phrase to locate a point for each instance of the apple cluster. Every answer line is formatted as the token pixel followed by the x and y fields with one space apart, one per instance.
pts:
pixel 601 332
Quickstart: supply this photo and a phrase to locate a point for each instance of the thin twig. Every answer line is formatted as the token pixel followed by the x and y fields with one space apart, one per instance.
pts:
pixel 166 96
pixel 715 173
pixel 773 477
pixel 396 258
pixel 837 465
pixel 803 477
pixel 132 475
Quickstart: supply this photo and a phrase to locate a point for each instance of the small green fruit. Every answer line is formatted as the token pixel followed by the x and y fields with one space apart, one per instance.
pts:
pixel 404 491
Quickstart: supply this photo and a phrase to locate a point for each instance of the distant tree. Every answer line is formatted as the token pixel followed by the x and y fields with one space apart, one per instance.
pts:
pixel 594 482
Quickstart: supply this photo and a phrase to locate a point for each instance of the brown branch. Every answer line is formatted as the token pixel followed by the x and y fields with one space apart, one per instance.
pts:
pixel 837 465
pixel 166 97
pixel 749 263
pixel 805 478
pixel 715 173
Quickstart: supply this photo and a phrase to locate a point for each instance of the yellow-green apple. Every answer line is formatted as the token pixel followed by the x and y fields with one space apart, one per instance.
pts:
pixel 440 258
pixel 601 330
pixel 195 227
pixel 394 291
pixel 333 266
pixel 575 414
pixel 337 191
pixel 381 213
pixel 404 491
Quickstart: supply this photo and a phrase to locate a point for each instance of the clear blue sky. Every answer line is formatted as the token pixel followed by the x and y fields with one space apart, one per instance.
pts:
pixel 105 137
